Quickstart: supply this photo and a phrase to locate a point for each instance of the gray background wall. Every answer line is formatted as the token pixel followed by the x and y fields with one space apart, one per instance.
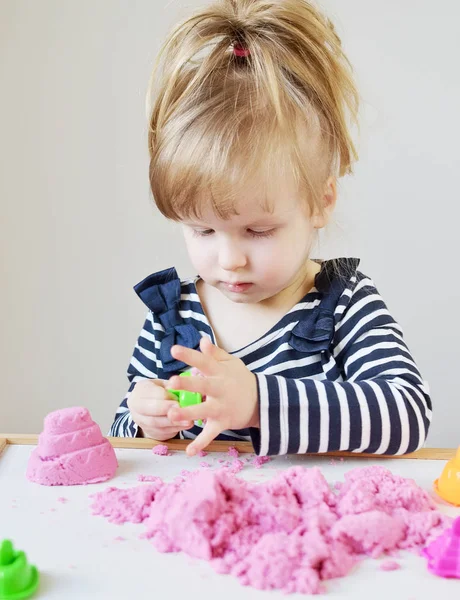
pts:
pixel 78 228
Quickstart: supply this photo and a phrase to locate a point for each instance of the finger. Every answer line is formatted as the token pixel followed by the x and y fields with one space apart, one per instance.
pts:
pixel 163 423
pixel 161 434
pixel 146 407
pixel 190 413
pixel 148 387
pixel 191 384
pixel 209 433
pixel 166 427
pixel 205 364
pixel 209 349
pixel 147 383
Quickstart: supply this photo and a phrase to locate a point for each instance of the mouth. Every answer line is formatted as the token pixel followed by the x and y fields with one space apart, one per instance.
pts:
pixel 237 287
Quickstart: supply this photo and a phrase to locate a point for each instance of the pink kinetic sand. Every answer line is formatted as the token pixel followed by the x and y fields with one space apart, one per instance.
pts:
pixel 258 461
pixel 390 565
pixel 233 452
pixel 161 450
pixel 71 451
pixel 290 533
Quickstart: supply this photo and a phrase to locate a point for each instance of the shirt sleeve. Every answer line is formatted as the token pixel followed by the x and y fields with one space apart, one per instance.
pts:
pixel 371 399
pixel 144 364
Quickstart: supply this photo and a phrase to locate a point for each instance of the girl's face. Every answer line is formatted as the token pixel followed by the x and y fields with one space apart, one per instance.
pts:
pixel 253 256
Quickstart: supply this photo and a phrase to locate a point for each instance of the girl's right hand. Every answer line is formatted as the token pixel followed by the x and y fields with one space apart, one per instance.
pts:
pixel 149 403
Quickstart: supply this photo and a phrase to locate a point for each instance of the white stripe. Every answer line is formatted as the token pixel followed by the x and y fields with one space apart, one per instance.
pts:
pixel 369 349
pixel 324 417
pixel 385 415
pixel 303 417
pixel 379 331
pixel 359 306
pixel 284 415
pixel 338 311
pixel 191 314
pixel 305 305
pixel 418 415
pixel 265 340
pixel 263 403
pixel 137 378
pixel 260 362
pixel 383 361
pixel 191 297
pixel 361 323
pixel 402 410
pixel 156 327
pixel 330 365
pixel 344 418
pixel 420 393
pixel 365 419
pixel 292 364
pixel 140 367
pixel 148 354
pixel 385 373
pixel 366 282
pixel 150 337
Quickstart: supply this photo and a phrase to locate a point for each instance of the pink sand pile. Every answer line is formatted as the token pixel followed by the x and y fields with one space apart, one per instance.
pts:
pixel 161 450
pixel 233 452
pixel 71 451
pixel 290 533
pixel 259 461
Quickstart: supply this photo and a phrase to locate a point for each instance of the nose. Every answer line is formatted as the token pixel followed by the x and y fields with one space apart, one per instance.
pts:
pixel 231 255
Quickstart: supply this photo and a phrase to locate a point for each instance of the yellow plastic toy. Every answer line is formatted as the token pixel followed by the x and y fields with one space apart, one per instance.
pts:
pixel 448 484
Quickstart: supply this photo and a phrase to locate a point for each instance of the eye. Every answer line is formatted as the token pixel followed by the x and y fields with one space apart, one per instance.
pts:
pixel 203 232
pixel 266 233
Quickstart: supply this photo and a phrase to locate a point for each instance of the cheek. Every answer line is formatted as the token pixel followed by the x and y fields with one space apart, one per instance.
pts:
pixel 200 253
pixel 270 257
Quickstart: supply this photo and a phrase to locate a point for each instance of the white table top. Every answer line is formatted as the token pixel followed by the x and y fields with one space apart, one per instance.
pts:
pixel 78 555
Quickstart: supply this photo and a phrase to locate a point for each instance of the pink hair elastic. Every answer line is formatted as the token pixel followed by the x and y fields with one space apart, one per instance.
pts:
pixel 239 50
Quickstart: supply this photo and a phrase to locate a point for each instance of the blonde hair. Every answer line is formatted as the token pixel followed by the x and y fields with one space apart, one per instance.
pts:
pixel 220 122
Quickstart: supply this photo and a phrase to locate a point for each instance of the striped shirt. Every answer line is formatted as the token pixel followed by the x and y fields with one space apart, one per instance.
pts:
pixel 333 374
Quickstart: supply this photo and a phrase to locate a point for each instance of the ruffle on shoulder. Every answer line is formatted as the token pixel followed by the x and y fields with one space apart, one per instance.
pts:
pixel 160 292
pixel 315 333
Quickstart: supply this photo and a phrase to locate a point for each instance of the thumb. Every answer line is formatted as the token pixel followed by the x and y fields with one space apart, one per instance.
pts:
pixel 160 382
pixel 209 349
pixel 164 383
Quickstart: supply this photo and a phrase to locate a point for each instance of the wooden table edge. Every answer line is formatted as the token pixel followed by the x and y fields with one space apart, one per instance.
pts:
pixel 243 447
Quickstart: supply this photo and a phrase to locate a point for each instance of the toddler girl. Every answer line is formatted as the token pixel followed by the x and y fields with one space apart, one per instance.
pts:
pixel 249 132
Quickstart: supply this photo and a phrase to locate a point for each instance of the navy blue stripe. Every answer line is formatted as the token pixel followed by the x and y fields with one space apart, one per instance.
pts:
pixel 356 423
pixel 273 416
pixel 314 417
pixel 335 419
pixel 395 421
pixel 376 419
pixel 293 417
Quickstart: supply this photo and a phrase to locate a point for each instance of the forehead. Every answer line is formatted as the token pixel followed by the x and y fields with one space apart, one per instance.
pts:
pixel 268 200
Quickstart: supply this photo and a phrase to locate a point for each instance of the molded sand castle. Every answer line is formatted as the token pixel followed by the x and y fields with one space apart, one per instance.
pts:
pixel 71 451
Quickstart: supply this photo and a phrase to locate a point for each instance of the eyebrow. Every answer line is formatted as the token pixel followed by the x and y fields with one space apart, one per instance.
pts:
pixel 262 222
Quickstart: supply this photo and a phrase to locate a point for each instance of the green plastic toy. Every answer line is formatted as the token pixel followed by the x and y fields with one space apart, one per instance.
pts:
pixel 187 398
pixel 18 579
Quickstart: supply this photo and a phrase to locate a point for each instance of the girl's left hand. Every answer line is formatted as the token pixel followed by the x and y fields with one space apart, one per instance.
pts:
pixel 230 389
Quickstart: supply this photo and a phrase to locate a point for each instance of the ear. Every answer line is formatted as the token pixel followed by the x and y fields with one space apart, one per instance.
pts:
pixel 329 199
